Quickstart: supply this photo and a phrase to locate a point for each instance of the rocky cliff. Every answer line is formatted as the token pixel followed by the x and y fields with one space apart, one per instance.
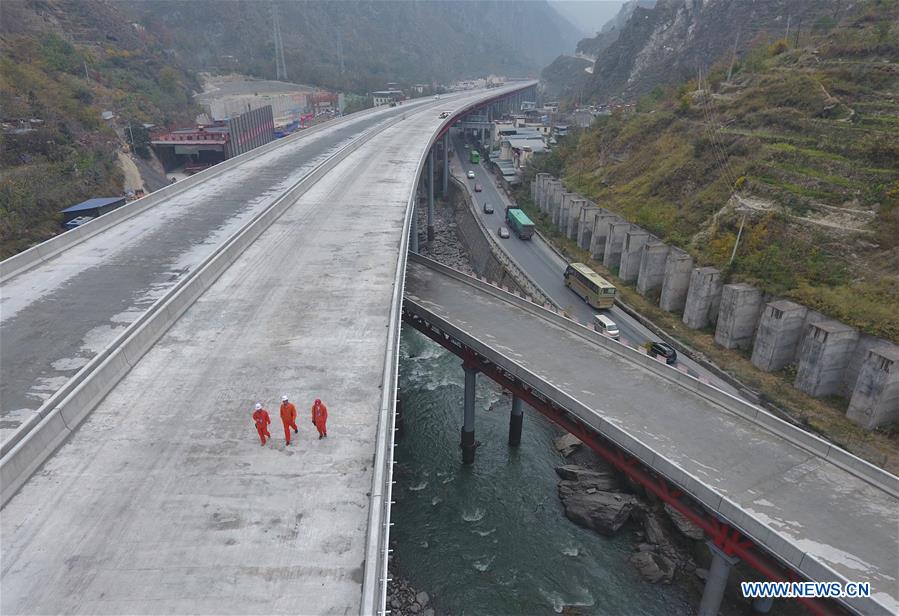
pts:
pixel 671 41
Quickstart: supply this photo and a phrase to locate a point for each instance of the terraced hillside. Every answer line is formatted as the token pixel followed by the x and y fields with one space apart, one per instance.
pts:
pixel 800 148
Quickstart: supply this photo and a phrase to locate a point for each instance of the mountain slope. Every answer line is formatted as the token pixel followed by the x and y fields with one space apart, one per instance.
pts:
pixel 63 62
pixel 673 40
pixel 610 31
pixel 797 154
pixel 360 45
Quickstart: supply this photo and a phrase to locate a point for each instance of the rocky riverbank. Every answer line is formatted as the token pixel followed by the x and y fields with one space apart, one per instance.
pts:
pixel 595 496
pixel 446 247
pixel 405 600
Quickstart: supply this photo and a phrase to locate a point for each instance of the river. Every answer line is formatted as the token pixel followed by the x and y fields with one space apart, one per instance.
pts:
pixel 492 538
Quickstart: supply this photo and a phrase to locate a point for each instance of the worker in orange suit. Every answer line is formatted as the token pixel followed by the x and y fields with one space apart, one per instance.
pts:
pixel 288 417
pixel 262 420
pixel 320 418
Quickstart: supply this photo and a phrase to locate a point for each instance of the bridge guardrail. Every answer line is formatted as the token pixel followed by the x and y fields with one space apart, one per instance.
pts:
pixel 376 564
pixel 64 410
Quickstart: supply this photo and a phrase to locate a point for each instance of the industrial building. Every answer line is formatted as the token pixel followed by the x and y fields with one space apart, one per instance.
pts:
pixel 385 97
pixel 196 148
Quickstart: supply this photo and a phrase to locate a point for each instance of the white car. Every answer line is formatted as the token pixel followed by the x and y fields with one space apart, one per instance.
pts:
pixel 503 233
pixel 470 174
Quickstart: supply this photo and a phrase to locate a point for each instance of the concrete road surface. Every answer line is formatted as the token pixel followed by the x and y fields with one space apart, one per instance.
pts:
pixel 57 316
pixel 164 501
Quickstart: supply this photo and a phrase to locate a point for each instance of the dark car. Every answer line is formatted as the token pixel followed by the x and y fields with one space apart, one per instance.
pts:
pixel 488 209
pixel 660 349
pixel 478 188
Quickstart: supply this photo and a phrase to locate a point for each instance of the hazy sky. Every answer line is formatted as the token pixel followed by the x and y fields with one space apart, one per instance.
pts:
pixel 588 15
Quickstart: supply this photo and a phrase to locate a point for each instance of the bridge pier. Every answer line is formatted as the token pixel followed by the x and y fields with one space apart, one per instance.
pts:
pixel 468 442
pixel 413 230
pixel 446 145
pixel 716 581
pixel 516 418
pixel 431 195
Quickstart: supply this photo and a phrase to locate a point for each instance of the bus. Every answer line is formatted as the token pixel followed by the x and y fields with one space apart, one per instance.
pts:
pixel 520 223
pixel 593 288
pixel 475 157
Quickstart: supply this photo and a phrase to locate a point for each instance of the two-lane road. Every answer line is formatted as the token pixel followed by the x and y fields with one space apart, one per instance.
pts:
pixel 545 267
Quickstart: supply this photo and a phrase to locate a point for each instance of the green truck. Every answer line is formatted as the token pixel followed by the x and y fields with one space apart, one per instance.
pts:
pixel 519 222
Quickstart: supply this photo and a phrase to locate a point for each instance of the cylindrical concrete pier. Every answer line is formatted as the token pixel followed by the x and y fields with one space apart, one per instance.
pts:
pixel 431 195
pixel 413 231
pixel 717 581
pixel 516 419
pixel 446 145
pixel 468 444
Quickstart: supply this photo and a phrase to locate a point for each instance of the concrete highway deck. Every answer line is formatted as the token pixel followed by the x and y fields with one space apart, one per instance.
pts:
pixel 163 501
pixel 56 317
pixel 808 506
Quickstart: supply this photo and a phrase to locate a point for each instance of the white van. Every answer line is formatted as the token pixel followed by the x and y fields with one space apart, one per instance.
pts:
pixel 605 325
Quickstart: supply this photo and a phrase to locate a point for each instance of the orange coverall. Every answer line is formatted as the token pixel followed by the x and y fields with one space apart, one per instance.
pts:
pixel 289 419
pixel 262 420
pixel 320 417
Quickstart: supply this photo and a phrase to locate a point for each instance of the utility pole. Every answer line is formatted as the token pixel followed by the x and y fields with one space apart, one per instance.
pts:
pixel 787 34
pixel 737 243
pixel 280 64
pixel 733 57
pixel 87 76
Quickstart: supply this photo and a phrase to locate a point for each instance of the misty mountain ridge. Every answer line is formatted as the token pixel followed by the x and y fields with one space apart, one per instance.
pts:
pixel 360 45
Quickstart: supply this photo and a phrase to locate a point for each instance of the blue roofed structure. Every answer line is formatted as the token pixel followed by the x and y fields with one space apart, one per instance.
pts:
pixel 92 207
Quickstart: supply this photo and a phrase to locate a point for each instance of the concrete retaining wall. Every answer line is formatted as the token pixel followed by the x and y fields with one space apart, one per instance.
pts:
pixel 777 338
pixel 617 229
pixel 875 400
pixel 738 316
pixel 824 354
pixel 600 234
pixel 585 225
pixel 833 358
pixel 703 298
pixel 652 267
pixel 678 268
pixel 487 258
pixel 632 253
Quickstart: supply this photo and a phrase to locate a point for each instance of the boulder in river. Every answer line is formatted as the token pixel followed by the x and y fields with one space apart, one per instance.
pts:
pixel 653 567
pixel 604 512
pixel 599 479
pixel 685 526
pixel 566 444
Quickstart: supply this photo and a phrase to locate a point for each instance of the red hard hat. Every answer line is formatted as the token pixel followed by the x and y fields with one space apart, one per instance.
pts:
pixel 317 401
